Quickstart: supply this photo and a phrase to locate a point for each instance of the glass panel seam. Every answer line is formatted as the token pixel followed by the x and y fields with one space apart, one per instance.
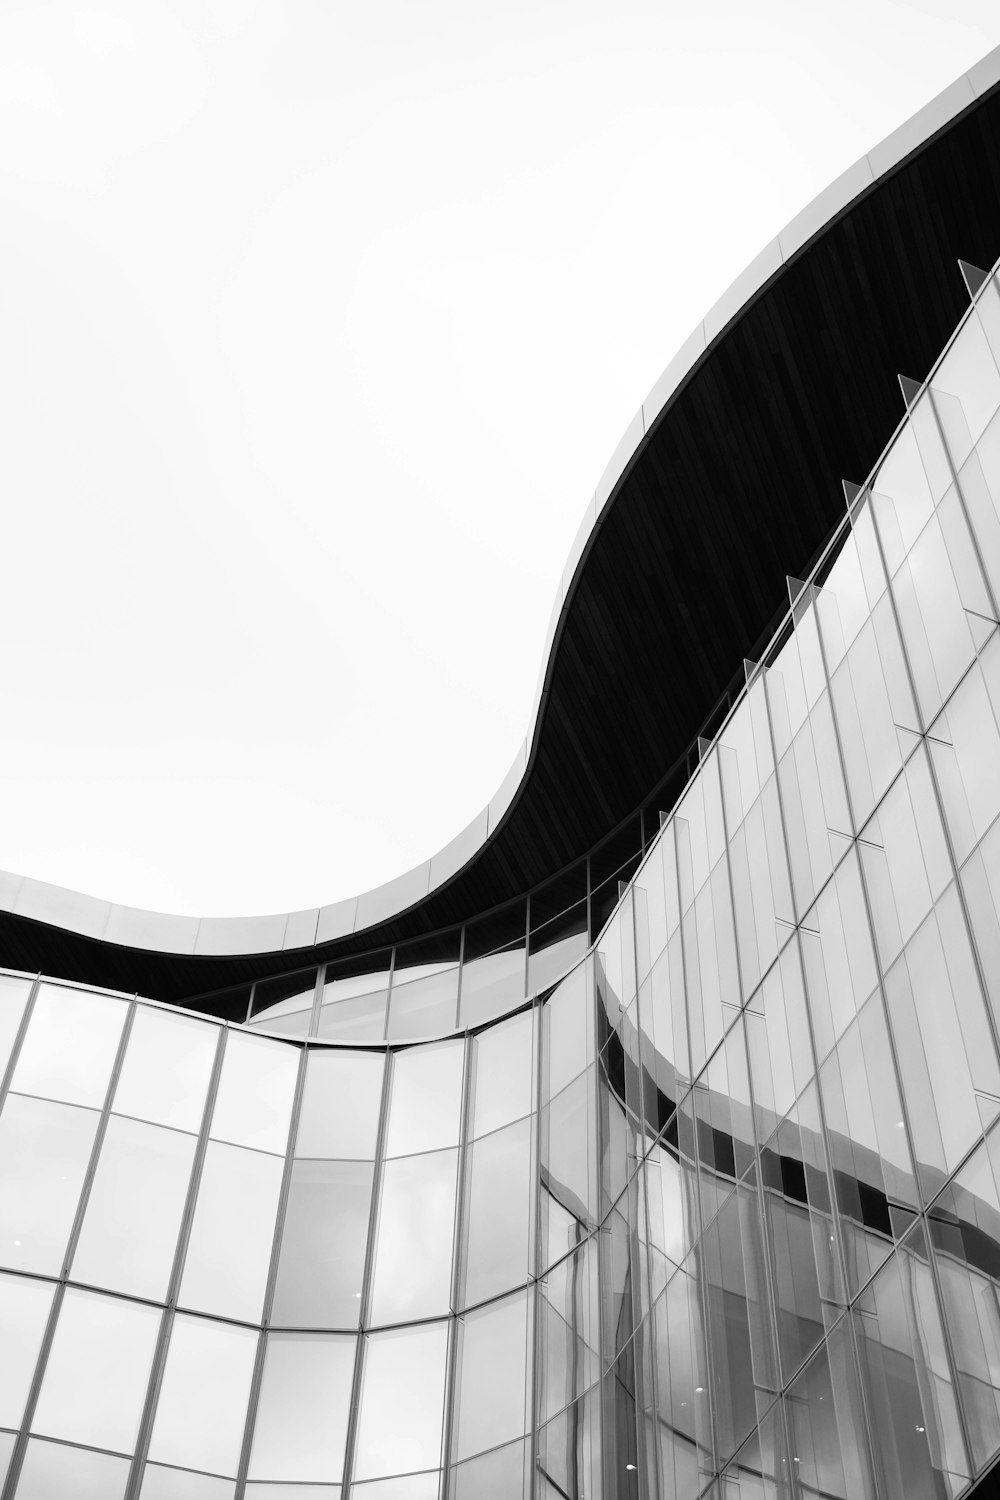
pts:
pixel 173 1286
pixel 257 1376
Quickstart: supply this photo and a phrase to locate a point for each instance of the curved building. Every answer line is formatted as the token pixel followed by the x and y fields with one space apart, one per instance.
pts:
pixel 646 1140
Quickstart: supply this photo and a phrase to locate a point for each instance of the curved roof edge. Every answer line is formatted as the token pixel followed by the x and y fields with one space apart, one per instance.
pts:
pixel 163 932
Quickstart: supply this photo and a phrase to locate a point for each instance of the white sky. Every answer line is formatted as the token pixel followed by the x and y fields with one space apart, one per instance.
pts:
pixel 318 324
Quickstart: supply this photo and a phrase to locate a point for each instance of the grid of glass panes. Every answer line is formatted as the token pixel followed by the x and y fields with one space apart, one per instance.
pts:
pixel 719 1216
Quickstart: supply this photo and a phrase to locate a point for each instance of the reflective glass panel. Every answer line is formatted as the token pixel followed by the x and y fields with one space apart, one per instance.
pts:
pixel 13 997
pixel 54 1469
pixel 492 1356
pixel 159 1483
pixel 498 1207
pixel 340 1106
pixel 426 1098
pixel 305 1397
pixel 254 1104
pixel 403 1374
pixel 415 1226
pixel 97 1369
pixel 202 1407
pixel 423 1000
pixel 229 1251
pixel 70 1045
pixel 919 1452
pixel 24 1311
pixel 168 1063
pixel 134 1209
pixel 323 1245
pixel 503 1086
pixel 44 1152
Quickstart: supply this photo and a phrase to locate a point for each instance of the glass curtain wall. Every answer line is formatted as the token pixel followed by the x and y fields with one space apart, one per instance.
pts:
pixel 718 1214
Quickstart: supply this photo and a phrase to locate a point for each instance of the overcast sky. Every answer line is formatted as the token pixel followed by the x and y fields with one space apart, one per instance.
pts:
pixel 318 324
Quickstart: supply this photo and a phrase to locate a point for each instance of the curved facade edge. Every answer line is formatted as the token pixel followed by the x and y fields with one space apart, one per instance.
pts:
pixel 134 927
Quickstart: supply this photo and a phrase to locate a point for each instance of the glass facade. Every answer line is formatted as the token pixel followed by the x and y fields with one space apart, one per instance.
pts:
pixel 707 1207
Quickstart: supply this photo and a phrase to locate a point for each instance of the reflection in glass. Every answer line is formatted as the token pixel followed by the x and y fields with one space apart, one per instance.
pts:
pixel 96 1372
pixel 323 1245
pixel 503 1087
pixel 134 1208
pixel 52 1469
pixel 253 1106
pixel 964 1227
pixel 168 1063
pixel 24 1311
pixel 70 1045
pixel 919 1451
pixel 202 1406
pixel 492 1362
pixel 404 1372
pixel 340 1105
pixel 159 1483
pixel 230 1245
pixel 426 1098
pixel 301 1424
pixel 13 998
pixel 412 1277
pixel 498 1211
pixel 44 1152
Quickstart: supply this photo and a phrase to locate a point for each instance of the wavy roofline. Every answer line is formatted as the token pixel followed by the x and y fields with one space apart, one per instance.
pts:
pixel 164 932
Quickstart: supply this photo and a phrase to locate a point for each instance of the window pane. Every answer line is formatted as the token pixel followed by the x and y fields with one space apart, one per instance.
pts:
pixel 305 1398
pixel 230 1246
pixel 7 1440
pixel 361 1019
pixel 426 1099
pixel 424 1001
pixel 24 1309
pixel 503 1078
pixel 340 1106
pixel 567 1032
pixel 499 1182
pixel 404 1375
pixel 492 1356
pixel 179 1484
pixel 44 1152
pixel 98 1366
pixel 323 1245
pixel 202 1408
pixel 167 1066
pixel 291 1492
pixel 254 1104
pixel 403 1487
pixel 13 997
pixel 416 1220
pixel 918 1447
pixel 52 1469
pixel 70 1045
pixel 134 1211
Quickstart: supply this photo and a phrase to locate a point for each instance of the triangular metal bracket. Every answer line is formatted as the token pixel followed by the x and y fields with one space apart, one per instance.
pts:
pixel 664 818
pixel 749 668
pixel 974 278
pixel 851 492
pixel 910 388
pixel 704 746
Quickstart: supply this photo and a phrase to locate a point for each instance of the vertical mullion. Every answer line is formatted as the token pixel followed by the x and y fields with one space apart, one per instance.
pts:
pixel 461 967
pixel 22 1027
pixel 272 1274
pixel 317 1004
pixel 769 1267
pixel 21 1442
pixel 535 1241
pixel 458 1245
pixel 697 1249
pixel 893 1050
pixel 176 1270
pixel 366 1281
